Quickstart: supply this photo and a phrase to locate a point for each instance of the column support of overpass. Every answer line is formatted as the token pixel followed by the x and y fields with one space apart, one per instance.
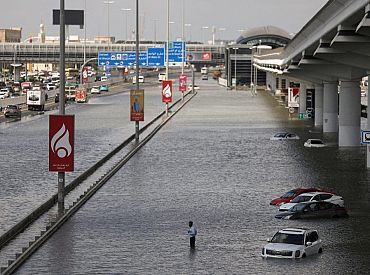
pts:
pixel 349 113
pixel 368 124
pixel 302 98
pixel 318 105
pixel 330 111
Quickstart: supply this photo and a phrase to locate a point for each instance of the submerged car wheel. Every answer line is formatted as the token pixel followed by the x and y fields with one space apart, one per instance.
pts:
pixel 304 255
pixel 320 250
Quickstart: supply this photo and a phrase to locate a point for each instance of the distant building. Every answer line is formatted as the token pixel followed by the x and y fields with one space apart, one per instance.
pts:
pixel 11 35
pixel 105 39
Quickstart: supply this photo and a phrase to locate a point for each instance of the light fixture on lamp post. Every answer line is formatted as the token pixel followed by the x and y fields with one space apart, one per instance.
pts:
pixel 108 3
pixel 126 10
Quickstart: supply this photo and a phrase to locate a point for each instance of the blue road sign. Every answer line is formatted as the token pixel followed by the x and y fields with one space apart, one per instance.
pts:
pixel 365 137
pixel 121 58
pixel 175 51
pixel 156 57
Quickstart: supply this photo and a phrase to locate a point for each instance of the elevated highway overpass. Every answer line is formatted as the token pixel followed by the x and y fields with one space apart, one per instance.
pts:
pixel 329 56
pixel 74 52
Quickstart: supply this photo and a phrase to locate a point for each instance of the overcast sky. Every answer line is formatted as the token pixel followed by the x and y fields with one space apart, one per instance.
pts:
pixel 233 15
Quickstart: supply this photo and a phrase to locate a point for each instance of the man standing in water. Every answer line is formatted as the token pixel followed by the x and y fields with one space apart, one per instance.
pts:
pixel 192 232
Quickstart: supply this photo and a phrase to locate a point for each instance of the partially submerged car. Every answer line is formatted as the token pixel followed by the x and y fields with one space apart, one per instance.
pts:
pixel 288 196
pixel 313 196
pixel 293 243
pixel 314 142
pixel 314 209
pixel 284 136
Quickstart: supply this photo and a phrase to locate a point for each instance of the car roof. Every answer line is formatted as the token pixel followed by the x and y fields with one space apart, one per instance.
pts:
pixel 314 193
pixel 292 230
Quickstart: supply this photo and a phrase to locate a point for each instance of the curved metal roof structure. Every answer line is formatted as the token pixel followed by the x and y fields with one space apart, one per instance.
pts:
pixel 266 35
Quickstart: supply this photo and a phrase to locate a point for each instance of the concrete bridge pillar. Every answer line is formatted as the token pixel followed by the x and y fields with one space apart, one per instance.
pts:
pixel 318 105
pixel 368 125
pixel 349 113
pixel 330 111
pixel 302 98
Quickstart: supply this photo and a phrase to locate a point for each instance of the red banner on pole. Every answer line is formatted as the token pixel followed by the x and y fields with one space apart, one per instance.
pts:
pixel 182 83
pixel 167 91
pixel 61 143
pixel 85 74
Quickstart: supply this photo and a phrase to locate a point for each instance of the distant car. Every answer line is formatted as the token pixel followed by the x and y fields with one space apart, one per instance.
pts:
pixel 95 90
pixel 288 196
pixel 141 79
pixel 12 111
pixel 97 78
pixel 103 88
pixel 161 77
pixel 293 243
pixel 313 196
pixel 4 93
pixel 51 86
pixel 314 209
pixel 204 76
pixel 190 87
pixel 284 136
pixel 103 78
pixel 314 143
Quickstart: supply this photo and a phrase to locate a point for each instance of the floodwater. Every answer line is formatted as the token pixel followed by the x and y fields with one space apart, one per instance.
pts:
pixel 215 165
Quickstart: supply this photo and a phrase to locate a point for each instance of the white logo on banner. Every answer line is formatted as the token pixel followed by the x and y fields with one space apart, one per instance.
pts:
pixel 60 143
pixel 167 91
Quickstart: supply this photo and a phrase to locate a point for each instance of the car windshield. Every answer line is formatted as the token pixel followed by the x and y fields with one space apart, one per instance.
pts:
pixel 287 238
pixel 298 207
pixel 301 199
pixel 316 141
pixel 280 135
pixel 288 194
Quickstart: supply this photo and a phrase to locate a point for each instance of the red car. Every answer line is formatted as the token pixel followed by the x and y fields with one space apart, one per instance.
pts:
pixel 288 196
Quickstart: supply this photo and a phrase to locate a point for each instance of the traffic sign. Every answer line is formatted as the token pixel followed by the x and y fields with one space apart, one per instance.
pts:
pixel 121 58
pixel 365 137
pixel 156 57
pixel 175 51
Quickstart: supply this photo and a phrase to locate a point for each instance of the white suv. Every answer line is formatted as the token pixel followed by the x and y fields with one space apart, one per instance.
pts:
pixel 290 243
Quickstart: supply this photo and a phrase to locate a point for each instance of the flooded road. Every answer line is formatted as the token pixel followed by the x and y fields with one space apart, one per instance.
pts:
pixel 214 164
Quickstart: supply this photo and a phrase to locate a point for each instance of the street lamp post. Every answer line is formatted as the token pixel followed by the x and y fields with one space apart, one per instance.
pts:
pixel 203 28
pixel 235 65
pixel 183 41
pixel 189 26
pixel 126 14
pixel 85 33
pixel 168 36
pixel 62 36
pixel 155 32
pixel 137 129
pixel 108 3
